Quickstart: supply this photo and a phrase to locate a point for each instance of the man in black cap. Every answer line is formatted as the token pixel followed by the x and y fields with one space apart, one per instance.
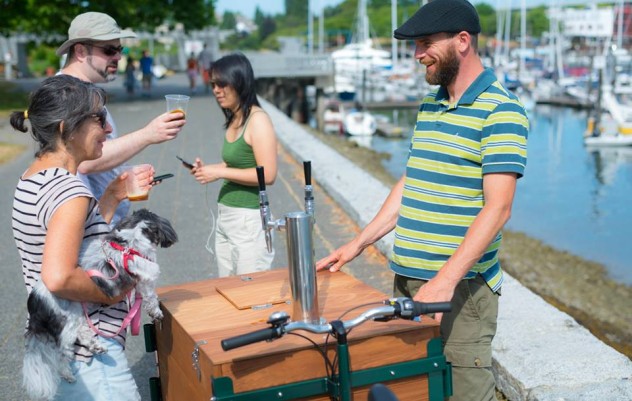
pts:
pixel 466 154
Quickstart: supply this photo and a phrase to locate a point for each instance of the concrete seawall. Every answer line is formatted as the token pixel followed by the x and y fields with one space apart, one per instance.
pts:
pixel 540 353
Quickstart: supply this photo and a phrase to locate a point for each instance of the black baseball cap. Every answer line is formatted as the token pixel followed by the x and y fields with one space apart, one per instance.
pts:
pixel 440 16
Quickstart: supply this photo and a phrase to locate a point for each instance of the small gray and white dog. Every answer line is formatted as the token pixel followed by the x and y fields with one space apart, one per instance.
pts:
pixel 55 324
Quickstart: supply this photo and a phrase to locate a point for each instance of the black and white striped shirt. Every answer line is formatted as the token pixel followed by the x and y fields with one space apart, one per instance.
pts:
pixel 35 201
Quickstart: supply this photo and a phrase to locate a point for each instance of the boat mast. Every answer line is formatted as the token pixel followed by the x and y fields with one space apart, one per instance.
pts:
pixel 507 32
pixel 499 31
pixel 393 27
pixel 310 29
pixel 555 14
pixel 363 22
pixel 321 27
pixel 620 25
pixel 523 39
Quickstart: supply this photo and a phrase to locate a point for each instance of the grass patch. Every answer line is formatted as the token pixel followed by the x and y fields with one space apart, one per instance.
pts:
pixel 10 151
pixel 12 97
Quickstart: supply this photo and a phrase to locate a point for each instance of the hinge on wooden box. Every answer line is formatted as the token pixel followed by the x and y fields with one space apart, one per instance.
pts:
pixel 195 357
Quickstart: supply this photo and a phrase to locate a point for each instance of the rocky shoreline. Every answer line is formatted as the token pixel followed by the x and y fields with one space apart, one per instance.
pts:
pixel 578 287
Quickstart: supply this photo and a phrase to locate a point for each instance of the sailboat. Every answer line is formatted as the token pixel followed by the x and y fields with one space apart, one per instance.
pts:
pixel 611 124
pixel 333 117
pixel 614 127
pixel 354 66
pixel 359 122
pixel 359 62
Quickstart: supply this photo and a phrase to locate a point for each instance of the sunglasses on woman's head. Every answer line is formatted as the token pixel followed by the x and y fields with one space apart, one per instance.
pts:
pixel 108 50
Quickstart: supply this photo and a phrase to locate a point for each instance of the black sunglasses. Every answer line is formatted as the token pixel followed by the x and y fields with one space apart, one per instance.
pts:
pixel 219 84
pixel 101 116
pixel 108 50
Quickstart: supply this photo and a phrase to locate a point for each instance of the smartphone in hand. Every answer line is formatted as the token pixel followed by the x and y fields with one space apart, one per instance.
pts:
pixel 159 178
pixel 185 163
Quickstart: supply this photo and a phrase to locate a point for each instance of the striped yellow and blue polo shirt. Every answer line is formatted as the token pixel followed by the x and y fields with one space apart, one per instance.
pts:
pixel 452 147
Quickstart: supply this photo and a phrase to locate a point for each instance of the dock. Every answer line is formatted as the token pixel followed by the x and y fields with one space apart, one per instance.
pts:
pixel 390 130
pixel 406 104
pixel 565 101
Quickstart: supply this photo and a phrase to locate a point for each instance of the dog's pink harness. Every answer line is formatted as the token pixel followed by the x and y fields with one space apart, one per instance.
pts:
pixel 133 316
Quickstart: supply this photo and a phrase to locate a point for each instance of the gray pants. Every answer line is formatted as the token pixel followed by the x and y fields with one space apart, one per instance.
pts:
pixel 467 334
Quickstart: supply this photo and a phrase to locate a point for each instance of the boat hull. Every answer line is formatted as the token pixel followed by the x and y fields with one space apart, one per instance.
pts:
pixel 360 123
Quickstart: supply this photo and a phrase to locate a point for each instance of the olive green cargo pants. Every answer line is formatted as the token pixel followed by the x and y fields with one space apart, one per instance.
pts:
pixel 467 334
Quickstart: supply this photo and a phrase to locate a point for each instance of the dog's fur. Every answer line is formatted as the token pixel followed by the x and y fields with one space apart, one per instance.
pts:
pixel 55 323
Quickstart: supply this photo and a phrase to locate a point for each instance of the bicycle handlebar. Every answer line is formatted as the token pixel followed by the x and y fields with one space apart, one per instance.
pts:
pixel 404 308
pixel 420 308
pixel 267 334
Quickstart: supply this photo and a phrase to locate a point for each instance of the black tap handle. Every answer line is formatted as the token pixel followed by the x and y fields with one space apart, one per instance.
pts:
pixel 261 178
pixel 307 170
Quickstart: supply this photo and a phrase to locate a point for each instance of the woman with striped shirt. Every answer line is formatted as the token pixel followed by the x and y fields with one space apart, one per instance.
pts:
pixel 54 212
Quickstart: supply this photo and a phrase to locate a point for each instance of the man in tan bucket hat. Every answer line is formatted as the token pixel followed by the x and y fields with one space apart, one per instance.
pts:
pixel 93 26
pixel 94 50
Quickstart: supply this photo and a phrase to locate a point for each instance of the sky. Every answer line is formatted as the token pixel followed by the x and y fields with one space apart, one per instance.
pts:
pixel 247 7
pixel 273 7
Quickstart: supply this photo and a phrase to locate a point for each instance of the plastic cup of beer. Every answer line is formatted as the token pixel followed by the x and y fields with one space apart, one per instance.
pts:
pixel 135 190
pixel 177 103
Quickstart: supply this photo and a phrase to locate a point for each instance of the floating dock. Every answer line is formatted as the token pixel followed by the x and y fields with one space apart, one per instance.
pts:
pixel 389 130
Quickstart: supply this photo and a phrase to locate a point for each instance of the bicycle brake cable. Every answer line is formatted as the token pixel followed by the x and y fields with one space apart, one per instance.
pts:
pixel 328 364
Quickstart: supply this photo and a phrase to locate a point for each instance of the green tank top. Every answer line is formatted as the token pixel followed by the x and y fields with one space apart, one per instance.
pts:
pixel 239 154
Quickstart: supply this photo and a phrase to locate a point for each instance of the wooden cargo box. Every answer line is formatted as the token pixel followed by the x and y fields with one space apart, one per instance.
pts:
pixel 199 315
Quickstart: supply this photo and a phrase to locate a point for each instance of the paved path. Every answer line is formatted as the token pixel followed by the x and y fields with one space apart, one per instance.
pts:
pixel 188 205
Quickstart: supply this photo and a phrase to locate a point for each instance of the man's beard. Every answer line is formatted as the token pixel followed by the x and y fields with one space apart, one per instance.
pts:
pixel 102 73
pixel 446 70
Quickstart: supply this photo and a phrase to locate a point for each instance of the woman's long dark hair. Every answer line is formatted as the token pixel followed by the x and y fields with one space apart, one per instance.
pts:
pixel 236 71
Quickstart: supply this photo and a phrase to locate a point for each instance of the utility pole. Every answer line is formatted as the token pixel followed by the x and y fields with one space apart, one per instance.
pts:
pixel 310 29
pixel 321 27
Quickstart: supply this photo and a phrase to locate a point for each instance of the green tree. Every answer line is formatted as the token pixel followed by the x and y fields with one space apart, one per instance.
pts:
pixel 54 16
pixel 487 16
pixel 245 42
pixel 266 28
pixel 194 14
pixel 296 8
pixel 259 16
pixel 228 21
pixel 537 21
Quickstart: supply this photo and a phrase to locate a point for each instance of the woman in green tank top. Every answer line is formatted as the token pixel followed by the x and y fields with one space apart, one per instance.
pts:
pixel 249 142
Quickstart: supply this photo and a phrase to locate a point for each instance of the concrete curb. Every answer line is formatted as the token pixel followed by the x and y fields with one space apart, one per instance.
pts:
pixel 334 172
pixel 540 353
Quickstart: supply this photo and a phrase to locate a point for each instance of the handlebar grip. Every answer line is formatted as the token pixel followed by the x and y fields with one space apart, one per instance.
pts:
pixel 261 178
pixel 307 170
pixel 423 308
pixel 269 333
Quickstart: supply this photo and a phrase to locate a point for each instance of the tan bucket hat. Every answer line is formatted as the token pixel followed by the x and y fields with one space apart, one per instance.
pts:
pixel 93 27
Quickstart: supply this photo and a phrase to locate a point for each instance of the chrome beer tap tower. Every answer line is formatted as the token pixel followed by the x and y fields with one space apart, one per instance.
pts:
pixel 299 228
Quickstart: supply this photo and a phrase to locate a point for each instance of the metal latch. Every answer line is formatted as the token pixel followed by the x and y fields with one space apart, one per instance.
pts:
pixel 260 307
pixel 195 357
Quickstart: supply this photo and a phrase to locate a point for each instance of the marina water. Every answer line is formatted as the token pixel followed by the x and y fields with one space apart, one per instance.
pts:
pixel 573 198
